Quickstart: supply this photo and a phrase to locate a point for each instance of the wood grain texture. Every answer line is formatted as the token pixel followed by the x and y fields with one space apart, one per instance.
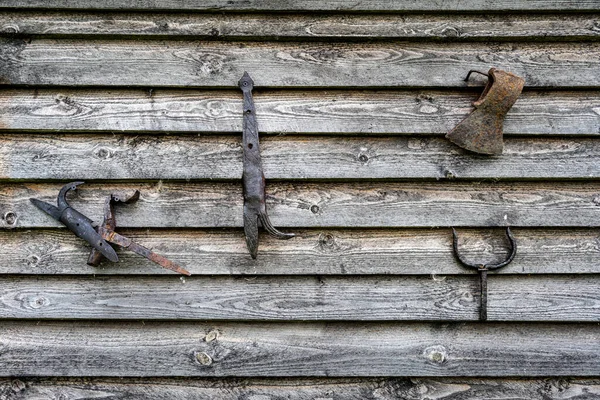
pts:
pixel 574 298
pixel 305 26
pixel 312 252
pixel 149 157
pixel 375 204
pixel 303 388
pixel 369 112
pixel 307 5
pixel 138 349
pixel 86 62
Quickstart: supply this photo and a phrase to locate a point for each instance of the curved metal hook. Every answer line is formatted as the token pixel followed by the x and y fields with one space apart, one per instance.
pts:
pixel 477 72
pixel 266 223
pixel 511 256
pixel 62 195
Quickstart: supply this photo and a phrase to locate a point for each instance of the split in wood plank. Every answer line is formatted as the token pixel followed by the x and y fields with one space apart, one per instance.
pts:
pixel 312 252
pixel 189 157
pixel 395 64
pixel 573 298
pixel 282 112
pixel 540 27
pixel 137 349
pixel 308 5
pixel 367 204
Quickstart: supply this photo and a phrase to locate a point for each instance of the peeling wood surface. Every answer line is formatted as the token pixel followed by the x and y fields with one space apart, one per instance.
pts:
pixel 151 157
pixel 376 204
pixel 306 26
pixel 304 389
pixel 135 349
pixel 312 252
pixel 307 5
pixel 367 112
pixel 381 298
pixel 221 64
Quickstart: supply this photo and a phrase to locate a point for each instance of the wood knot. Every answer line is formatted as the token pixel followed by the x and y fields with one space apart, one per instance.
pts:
pixel 103 153
pixel 203 359
pixel 10 218
pixel 211 336
pixel 314 209
pixel 32 260
pixel 363 158
pixel 17 385
pixel 436 354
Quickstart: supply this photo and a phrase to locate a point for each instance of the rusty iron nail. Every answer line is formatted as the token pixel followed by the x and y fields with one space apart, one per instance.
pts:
pixel 483 269
pixel 481 132
pixel 255 209
pixel 99 237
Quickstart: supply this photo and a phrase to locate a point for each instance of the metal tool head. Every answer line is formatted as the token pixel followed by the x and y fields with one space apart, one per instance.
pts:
pixel 482 130
pixel 78 223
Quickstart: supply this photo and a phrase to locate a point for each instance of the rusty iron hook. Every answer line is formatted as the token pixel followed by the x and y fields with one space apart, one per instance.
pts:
pixel 255 209
pixel 100 236
pixel 483 269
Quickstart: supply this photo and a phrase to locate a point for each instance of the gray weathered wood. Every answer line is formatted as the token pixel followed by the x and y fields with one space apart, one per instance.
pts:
pixel 381 298
pixel 221 64
pixel 292 349
pixel 307 5
pixel 305 26
pixel 279 112
pixel 303 388
pixel 77 157
pixel 372 204
pixel 312 252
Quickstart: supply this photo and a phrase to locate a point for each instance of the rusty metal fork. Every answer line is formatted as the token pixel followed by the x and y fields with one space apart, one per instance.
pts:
pixel 484 268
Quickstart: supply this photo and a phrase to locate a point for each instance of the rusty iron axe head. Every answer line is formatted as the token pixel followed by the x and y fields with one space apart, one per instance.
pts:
pixel 481 131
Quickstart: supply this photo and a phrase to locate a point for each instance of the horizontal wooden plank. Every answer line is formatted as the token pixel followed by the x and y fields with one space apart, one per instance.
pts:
pixel 280 112
pixel 305 26
pixel 86 62
pixel 139 349
pixel 318 252
pixel 373 204
pixel 303 388
pixel 307 5
pixel 380 298
pixel 76 157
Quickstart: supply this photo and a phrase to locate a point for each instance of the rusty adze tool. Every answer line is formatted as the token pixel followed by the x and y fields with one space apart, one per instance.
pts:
pixel 100 237
pixel 255 208
pixel 481 131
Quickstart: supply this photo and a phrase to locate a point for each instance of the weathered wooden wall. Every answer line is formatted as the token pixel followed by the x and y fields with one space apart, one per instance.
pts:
pixel 353 99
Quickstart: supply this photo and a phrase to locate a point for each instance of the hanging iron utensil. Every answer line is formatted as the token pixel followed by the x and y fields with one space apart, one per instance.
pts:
pixel 100 237
pixel 484 268
pixel 255 209
pixel 481 131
